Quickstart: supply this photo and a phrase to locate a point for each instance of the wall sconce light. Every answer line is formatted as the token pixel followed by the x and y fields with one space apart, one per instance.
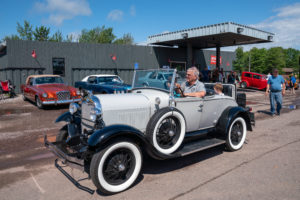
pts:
pixel 184 35
pixel 270 37
pixel 240 30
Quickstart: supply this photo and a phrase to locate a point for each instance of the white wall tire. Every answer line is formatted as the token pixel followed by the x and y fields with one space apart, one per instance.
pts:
pixel 127 172
pixel 244 85
pixel 236 134
pixel 166 130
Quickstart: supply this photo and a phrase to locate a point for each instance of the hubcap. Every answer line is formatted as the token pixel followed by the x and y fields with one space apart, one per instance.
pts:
pixel 168 132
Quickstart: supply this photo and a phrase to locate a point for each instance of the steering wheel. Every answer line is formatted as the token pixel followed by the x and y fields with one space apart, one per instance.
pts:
pixel 181 92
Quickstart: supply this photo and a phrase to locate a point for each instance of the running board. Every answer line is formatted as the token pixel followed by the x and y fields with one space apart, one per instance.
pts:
pixel 199 145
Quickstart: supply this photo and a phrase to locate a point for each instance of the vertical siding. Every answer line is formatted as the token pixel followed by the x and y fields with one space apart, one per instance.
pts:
pixel 82 59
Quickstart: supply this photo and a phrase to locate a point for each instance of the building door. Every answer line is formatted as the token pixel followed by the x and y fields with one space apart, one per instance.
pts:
pixel 178 65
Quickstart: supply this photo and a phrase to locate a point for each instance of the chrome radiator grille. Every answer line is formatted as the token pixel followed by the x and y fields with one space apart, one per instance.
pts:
pixel 86 123
pixel 63 95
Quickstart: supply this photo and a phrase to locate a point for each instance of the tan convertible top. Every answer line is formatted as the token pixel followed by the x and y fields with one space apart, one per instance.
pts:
pixel 43 75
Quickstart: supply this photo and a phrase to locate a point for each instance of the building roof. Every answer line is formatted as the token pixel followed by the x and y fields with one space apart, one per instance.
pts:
pixel 223 34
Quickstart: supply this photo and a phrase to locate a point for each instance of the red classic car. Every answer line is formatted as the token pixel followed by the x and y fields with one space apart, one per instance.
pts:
pixel 48 90
pixel 254 80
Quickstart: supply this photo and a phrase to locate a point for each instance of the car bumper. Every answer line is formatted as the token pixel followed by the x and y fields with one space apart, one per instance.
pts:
pixel 60 102
pixel 68 159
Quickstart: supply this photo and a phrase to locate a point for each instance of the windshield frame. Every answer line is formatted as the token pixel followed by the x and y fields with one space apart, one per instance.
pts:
pixel 170 90
pixel 35 80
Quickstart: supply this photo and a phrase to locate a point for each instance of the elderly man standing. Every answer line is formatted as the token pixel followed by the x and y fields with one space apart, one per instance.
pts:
pixel 192 87
pixel 276 88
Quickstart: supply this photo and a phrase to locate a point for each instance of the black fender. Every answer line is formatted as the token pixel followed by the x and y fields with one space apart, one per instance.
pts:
pixel 228 115
pixel 64 117
pixel 101 138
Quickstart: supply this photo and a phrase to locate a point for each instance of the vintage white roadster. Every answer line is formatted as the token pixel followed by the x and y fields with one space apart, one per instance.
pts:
pixel 105 135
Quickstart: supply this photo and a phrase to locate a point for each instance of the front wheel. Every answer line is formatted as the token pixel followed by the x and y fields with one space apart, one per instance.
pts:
pixel 236 135
pixel 38 102
pixel 243 85
pixel 115 168
pixel 61 138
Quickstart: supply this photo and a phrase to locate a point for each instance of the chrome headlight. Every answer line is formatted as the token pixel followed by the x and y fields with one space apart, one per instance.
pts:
pixel 97 110
pixel 45 95
pixel 73 108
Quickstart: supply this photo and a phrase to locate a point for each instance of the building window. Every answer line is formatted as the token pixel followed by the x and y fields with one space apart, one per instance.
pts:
pixel 58 66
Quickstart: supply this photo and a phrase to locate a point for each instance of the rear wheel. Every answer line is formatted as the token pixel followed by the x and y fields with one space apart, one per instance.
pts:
pixel 236 135
pixel 166 130
pixel 23 96
pixel 115 168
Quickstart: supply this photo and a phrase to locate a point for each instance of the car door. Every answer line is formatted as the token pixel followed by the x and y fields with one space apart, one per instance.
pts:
pixel 256 80
pixel 192 108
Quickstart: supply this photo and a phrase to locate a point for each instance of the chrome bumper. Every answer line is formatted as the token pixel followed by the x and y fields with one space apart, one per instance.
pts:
pixel 60 102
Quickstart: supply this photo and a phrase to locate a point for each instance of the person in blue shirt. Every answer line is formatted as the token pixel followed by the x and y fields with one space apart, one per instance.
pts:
pixel 275 89
pixel 292 83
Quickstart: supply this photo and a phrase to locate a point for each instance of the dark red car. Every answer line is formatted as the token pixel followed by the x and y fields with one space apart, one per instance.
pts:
pixel 48 90
pixel 253 80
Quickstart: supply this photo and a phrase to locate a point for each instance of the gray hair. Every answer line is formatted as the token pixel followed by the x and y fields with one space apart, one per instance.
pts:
pixel 195 70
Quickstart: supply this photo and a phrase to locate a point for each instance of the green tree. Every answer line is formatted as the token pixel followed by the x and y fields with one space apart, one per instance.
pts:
pixel 11 37
pixel 25 31
pixel 291 58
pixel 126 39
pixel 257 59
pixel 97 35
pixel 275 59
pixel 41 33
pixel 239 63
pixel 56 37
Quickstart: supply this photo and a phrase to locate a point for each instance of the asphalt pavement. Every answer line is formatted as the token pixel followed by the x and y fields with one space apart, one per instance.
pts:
pixel 267 167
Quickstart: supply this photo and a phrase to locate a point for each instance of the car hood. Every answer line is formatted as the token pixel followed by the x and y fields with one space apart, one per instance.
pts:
pixel 116 86
pixel 53 87
pixel 132 109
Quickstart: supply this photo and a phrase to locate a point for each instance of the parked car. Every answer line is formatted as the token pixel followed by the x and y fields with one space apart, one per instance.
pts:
pixel 253 80
pixel 103 84
pixel 106 135
pixel 48 90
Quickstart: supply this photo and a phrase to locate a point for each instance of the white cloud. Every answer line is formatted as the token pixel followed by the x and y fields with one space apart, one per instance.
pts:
pixel 60 10
pixel 285 24
pixel 132 10
pixel 115 15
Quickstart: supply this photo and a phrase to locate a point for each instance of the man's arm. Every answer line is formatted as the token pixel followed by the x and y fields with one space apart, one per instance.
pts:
pixel 196 94
pixel 267 89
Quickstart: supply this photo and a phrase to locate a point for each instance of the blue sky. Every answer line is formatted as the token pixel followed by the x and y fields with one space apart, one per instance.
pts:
pixel 144 18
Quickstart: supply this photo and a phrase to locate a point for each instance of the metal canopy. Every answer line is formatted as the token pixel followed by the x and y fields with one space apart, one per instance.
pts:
pixel 217 35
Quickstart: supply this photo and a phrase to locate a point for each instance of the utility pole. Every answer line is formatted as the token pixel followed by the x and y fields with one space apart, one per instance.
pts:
pixel 249 61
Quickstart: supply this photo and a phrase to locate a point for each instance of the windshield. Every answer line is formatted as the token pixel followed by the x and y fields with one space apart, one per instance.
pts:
pixel 110 79
pixel 155 78
pixel 48 80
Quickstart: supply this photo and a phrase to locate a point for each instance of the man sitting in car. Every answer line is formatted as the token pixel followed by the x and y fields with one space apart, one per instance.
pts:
pixel 192 87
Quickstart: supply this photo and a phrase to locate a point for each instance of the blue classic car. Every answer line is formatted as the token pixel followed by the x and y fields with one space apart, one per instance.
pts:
pixel 103 84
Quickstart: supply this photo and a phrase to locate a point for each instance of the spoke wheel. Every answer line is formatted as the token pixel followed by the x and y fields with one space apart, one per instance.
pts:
pixel 166 130
pixel 118 166
pixel 115 168
pixel 237 134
